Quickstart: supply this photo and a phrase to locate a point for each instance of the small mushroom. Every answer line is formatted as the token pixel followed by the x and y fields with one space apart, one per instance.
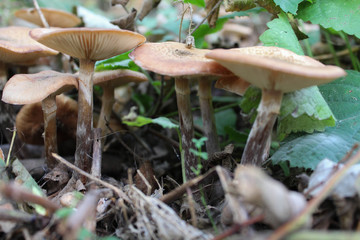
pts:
pixel 30 121
pixel 41 87
pixel 18 48
pixel 54 17
pixel 276 71
pixel 109 80
pixel 88 45
pixel 176 60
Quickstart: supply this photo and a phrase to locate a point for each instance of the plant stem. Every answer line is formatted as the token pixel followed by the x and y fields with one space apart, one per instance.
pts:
pixel 50 132
pixel 258 142
pixel 208 117
pixel 186 124
pixel 85 121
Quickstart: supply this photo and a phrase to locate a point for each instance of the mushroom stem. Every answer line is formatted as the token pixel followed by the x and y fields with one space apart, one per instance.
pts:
pixel 208 117
pixel 3 75
pixel 50 132
pixel 258 143
pixel 186 124
pixel 85 120
pixel 107 101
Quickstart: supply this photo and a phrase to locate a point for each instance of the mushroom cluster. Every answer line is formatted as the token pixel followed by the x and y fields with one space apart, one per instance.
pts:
pixel 184 64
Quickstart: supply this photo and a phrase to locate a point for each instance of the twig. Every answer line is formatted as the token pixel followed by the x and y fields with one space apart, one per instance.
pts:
pixel 168 140
pixel 11 147
pixel 206 17
pixel 143 178
pixel 43 20
pixel 236 227
pixel 117 190
pixel 179 191
pixel 18 194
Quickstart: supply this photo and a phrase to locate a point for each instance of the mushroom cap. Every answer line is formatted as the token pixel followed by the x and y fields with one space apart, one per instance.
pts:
pixel 175 59
pixel 30 121
pixel 232 84
pixel 275 68
pixel 54 17
pixel 118 77
pixel 32 88
pixel 16 46
pixel 88 43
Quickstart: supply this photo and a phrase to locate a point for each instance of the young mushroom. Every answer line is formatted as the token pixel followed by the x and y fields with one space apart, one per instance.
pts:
pixel 276 71
pixel 109 80
pixel 88 45
pixel 41 87
pixel 176 60
pixel 54 17
pixel 18 48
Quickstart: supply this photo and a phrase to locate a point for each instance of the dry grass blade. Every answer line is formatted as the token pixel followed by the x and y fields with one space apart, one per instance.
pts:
pixel 156 220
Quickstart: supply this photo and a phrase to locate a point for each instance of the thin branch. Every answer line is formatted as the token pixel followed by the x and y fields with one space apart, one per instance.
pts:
pixel 43 20
pixel 118 191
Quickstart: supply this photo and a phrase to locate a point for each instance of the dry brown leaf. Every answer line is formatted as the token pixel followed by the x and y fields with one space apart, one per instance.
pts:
pixel 127 22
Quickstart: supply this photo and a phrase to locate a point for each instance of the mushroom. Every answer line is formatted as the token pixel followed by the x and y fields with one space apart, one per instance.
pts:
pixel 18 48
pixel 88 45
pixel 41 87
pixel 109 80
pixel 176 60
pixel 30 121
pixel 276 71
pixel 54 17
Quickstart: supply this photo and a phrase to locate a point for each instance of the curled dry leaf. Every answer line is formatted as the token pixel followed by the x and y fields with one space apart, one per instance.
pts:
pixel 278 204
pixel 126 22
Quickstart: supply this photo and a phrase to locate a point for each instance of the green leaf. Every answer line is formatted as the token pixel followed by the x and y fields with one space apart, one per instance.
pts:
pixel 223 119
pixel 23 176
pixel 138 122
pixel 199 3
pixel 251 101
pixel 306 151
pixel 281 34
pixel 142 121
pixel 165 122
pixel 340 15
pixel 304 111
pixel 288 5
pixel 121 61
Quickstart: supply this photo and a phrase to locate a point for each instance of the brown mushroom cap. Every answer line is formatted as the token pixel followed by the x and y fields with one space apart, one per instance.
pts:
pixel 174 59
pixel 30 121
pixel 275 68
pixel 88 43
pixel 32 88
pixel 118 77
pixel 16 46
pixel 55 18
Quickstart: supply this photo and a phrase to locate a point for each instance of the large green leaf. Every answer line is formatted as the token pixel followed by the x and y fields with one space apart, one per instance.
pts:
pixel 307 150
pixel 304 111
pixel 341 15
pixel 288 5
pixel 281 34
